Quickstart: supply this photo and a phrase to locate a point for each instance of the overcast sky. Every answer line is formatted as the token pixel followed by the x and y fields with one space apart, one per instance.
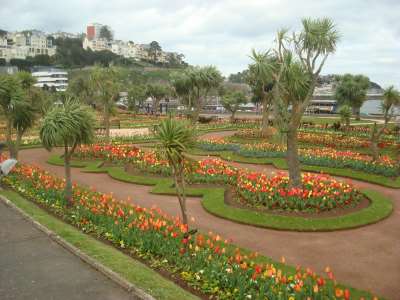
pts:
pixel 223 32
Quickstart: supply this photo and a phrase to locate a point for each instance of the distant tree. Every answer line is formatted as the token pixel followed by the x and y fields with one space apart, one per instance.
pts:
pixel 183 88
pixel 68 125
pixel 261 79
pixel 352 90
pixel 21 104
pixel 105 84
pixel 137 94
pixel 239 77
pixel 176 137
pixel 80 87
pixel 105 33
pixel 40 60
pixel 3 62
pixel 203 80
pixel 345 114
pixel 157 92
pixel 154 50
pixel 22 64
pixel 232 101
pixel 3 33
pixel 391 98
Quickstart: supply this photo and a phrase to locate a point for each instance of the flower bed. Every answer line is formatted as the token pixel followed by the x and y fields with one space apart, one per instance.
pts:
pixel 326 157
pixel 318 193
pixel 325 138
pixel 207 263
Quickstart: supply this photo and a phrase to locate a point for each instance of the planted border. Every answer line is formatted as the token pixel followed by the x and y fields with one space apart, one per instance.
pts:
pixel 213 201
pixel 127 267
pixel 280 163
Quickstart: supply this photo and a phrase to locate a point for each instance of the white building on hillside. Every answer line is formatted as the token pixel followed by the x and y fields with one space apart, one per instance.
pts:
pixel 20 45
pixel 51 78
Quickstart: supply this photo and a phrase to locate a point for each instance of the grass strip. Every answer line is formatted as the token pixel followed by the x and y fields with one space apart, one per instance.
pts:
pixel 129 268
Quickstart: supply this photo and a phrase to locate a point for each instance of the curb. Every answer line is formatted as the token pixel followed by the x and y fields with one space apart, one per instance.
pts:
pixel 132 289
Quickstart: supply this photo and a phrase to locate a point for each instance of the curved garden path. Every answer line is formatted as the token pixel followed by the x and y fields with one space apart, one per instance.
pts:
pixel 367 258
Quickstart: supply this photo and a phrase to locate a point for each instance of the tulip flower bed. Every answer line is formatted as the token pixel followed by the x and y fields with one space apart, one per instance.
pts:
pixel 323 138
pixel 318 193
pixel 207 263
pixel 325 157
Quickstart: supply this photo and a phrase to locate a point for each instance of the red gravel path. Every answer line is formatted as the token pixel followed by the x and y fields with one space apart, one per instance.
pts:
pixel 367 258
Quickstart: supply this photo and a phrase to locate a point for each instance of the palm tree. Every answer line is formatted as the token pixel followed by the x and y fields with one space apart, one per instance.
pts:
pixel 391 98
pixel 105 85
pixel 352 90
pixel 260 78
pixel 183 88
pixel 157 92
pixel 231 101
pixel 68 125
pixel 300 58
pixel 202 79
pixel 176 137
pixel 19 115
pixel 345 114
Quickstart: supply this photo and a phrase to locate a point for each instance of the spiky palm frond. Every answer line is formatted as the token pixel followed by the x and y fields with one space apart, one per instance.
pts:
pixel 69 124
pixel 175 137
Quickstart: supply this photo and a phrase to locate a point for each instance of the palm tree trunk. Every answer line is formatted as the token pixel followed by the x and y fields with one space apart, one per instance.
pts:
pixel 265 119
pixel 181 194
pixel 68 181
pixel 292 158
pixel 10 143
pixel 233 117
pixel 107 123
pixel 356 112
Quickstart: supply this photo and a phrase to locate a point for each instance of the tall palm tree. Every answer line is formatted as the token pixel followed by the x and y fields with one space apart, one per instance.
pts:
pixel 176 137
pixel 68 125
pixel 105 86
pixel 301 58
pixel 261 79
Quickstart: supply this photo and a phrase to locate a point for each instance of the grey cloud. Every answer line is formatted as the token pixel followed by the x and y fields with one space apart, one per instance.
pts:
pixel 223 32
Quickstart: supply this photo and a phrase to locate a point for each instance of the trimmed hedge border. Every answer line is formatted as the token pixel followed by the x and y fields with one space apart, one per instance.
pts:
pixel 280 163
pixel 213 202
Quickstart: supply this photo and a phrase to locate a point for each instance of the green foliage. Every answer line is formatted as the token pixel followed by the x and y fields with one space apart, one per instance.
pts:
pixel 105 33
pixel 345 114
pixel 71 54
pixel 232 101
pixel 176 137
pixel 137 94
pixel 352 90
pixel 69 124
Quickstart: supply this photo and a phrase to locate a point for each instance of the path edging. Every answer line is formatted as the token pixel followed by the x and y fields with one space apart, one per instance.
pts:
pixel 125 284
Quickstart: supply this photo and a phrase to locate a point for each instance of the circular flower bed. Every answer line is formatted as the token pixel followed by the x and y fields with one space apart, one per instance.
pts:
pixel 318 192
